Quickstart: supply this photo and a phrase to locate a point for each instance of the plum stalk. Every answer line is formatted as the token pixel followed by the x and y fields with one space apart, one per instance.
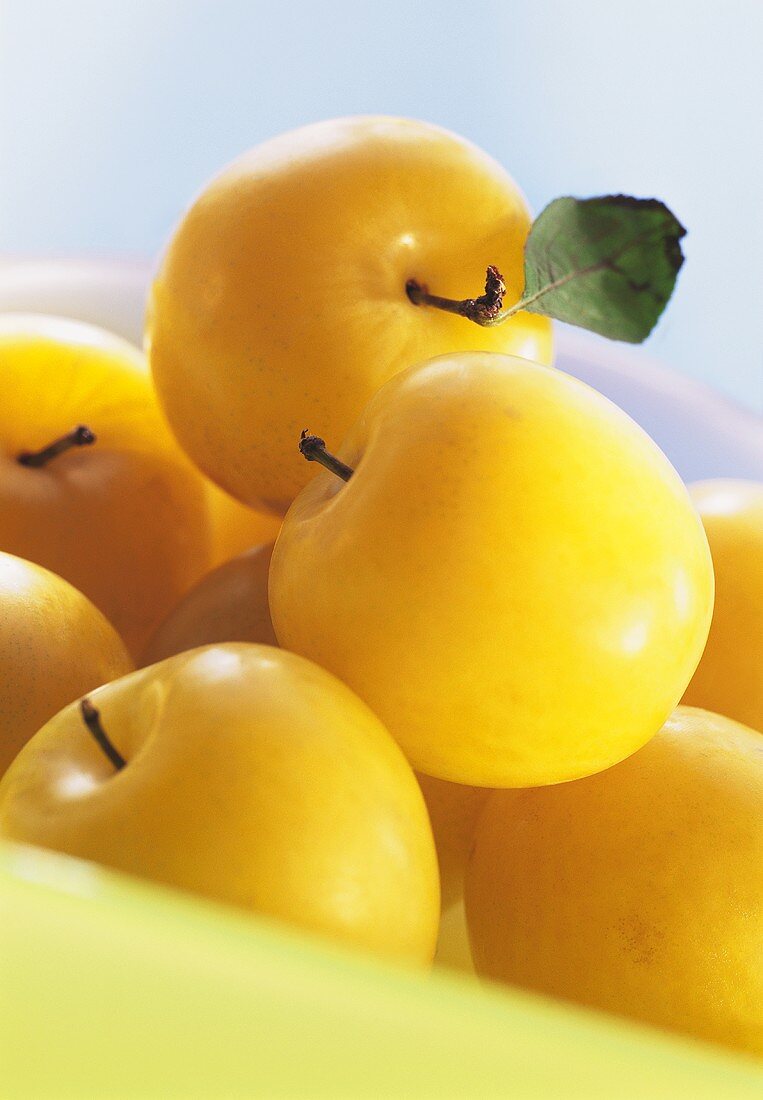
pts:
pixel 314 450
pixel 487 310
pixel 91 716
pixel 81 436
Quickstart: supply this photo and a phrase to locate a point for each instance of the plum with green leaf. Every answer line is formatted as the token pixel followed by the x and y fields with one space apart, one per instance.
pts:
pixel 293 287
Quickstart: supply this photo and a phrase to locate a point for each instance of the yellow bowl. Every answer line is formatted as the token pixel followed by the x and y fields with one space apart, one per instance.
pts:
pixel 115 987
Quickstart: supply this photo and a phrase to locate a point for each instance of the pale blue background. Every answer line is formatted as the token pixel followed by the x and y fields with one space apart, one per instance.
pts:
pixel 112 114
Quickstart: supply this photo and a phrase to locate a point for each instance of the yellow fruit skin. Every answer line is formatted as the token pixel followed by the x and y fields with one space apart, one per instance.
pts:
pixel 453 811
pixel 124 520
pixel 729 678
pixel 639 890
pixel 253 777
pixel 229 604
pixel 281 302
pixel 514 577
pixel 54 646
pixel 235 527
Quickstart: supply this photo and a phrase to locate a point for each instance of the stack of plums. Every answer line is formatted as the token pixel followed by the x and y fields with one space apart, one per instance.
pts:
pixel 448 696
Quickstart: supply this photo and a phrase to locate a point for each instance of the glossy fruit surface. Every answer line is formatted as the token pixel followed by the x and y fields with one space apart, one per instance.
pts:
pixel 229 604
pixel 513 578
pixel 253 777
pixel 281 301
pixel 54 646
pixel 729 678
pixel 123 520
pixel 639 890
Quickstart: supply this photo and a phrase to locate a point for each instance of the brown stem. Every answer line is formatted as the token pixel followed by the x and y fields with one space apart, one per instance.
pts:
pixel 91 716
pixel 81 436
pixel 485 310
pixel 314 450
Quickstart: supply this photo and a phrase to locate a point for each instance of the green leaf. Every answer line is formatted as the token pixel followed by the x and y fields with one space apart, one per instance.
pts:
pixel 607 264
